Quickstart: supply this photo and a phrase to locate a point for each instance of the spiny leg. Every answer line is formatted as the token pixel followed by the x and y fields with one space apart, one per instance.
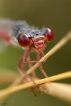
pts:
pixel 30 65
pixel 22 72
pixel 22 61
pixel 38 57
pixel 42 54
pixel 27 58
pixel 34 75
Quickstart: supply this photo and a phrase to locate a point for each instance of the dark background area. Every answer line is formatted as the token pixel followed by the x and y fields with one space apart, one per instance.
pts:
pixel 55 14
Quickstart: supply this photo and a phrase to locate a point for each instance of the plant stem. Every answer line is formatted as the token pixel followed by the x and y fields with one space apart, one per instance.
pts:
pixel 13 89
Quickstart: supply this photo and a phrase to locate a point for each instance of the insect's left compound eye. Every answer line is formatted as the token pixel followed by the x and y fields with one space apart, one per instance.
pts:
pixel 24 40
pixel 49 35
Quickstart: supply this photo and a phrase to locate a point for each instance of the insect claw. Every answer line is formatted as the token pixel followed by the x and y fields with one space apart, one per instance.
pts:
pixel 43 62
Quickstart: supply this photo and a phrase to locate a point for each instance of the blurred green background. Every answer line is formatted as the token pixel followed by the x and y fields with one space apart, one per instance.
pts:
pixel 55 14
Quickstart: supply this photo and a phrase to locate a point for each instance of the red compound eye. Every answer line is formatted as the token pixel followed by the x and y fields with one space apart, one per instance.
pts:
pixel 49 35
pixel 24 41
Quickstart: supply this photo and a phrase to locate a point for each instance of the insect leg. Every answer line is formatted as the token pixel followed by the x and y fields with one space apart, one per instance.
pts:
pixel 38 57
pixel 22 71
pixel 30 65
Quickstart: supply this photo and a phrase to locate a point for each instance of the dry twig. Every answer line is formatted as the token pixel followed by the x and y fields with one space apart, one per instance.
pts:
pixel 31 84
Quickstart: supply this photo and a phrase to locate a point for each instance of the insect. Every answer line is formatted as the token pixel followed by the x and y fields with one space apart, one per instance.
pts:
pixel 27 37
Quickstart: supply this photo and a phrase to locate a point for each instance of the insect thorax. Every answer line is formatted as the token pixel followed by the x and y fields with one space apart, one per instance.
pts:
pixel 23 27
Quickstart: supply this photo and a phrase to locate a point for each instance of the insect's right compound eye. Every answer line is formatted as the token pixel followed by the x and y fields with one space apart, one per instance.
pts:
pixel 24 40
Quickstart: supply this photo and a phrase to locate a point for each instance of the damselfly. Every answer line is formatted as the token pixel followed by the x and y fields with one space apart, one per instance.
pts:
pixel 29 38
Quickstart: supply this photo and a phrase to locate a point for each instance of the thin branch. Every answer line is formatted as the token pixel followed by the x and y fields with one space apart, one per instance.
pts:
pixel 61 91
pixel 16 88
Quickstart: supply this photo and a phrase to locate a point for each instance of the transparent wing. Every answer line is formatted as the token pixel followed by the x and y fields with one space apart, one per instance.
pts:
pixel 5 33
pixel 3 46
pixel 6 24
